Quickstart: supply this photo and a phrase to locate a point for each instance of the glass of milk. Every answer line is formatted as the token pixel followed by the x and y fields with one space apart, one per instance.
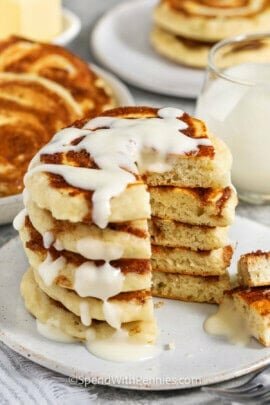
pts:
pixel 235 104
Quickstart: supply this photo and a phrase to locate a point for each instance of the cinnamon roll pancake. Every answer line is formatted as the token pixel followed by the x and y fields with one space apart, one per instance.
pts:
pixel 58 64
pixel 136 272
pixel 180 49
pixel 51 312
pixel 88 237
pixel 32 109
pixel 195 206
pixel 43 88
pixel 132 238
pixel 190 288
pixel 204 162
pixel 212 20
pixel 190 262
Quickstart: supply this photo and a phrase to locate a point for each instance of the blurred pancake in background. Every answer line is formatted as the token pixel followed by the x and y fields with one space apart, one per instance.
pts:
pixel 43 88
pixel 55 63
pixel 185 30
pixel 31 110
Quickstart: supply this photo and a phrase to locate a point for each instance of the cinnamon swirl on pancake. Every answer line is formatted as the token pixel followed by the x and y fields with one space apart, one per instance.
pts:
pixel 32 109
pixel 43 88
pixel 56 63
pixel 212 20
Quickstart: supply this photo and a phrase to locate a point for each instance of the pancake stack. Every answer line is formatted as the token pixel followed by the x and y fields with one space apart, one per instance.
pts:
pixel 185 30
pixel 43 88
pixel 87 236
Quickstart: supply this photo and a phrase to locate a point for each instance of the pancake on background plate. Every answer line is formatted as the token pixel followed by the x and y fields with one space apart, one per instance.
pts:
pixel 43 88
pixel 185 30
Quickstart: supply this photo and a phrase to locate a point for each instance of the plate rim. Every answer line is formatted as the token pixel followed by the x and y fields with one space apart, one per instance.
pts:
pixel 63 369
pixel 101 59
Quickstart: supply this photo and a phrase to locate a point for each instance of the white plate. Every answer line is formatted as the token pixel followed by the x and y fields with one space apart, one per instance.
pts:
pixel 10 206
pixel 196 355
pixel 71 28
pixel 120 41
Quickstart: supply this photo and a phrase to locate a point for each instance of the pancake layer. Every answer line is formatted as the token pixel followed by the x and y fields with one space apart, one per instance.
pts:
pixel 186 261
pixel 180 49
pixel 190 288
pixel 131 238
pixel 212 21
pixel 50 311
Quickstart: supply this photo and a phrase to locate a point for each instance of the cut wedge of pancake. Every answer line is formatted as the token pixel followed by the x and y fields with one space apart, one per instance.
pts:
pixel 32 109
pixel 253 305
pixel 197 206
pixel 165 232
pixel 180 49
pixel 212 20
pixel 129 306
pixel 47 310
pixel 132 239
pixel 190 288
pixel 254 269
pixel 136 273
pixel 190 262
pixel 58 64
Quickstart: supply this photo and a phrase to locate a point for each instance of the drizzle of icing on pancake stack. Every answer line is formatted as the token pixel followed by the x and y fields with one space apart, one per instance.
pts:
pixel 85 228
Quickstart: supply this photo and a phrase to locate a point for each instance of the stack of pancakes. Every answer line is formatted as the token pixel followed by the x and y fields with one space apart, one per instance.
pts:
pixel 185 30
pixel 43 88
pixel 91 270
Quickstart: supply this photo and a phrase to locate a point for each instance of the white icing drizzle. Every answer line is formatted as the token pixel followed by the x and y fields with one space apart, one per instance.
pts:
pixel 48 239
pixel 50 331
pixel 121 148
pixel 100 282
pixel 120 347
pixel 86 318
pixel 26 196
pixel 98 250
pixel 118 145
pixel 228 323
pixel 112 314
pixel 58 245
pixel 170 112
pixel 49 269
pixel 105 185
pixel 19 220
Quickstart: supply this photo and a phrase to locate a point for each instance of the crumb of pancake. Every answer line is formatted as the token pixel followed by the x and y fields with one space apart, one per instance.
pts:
pixel 170 346
pixel 159 304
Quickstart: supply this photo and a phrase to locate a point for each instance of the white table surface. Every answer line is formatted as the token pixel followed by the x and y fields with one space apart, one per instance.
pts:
pixel 27 383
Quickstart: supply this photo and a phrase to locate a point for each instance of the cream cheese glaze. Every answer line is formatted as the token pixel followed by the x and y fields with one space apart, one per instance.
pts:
pixel 86 318
pixel 48 239
pixel 121 149
pixel 19 220
pixel 100 282
pixel 49 269
pixel 118 146
pixel 120 347
pixel 227 322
